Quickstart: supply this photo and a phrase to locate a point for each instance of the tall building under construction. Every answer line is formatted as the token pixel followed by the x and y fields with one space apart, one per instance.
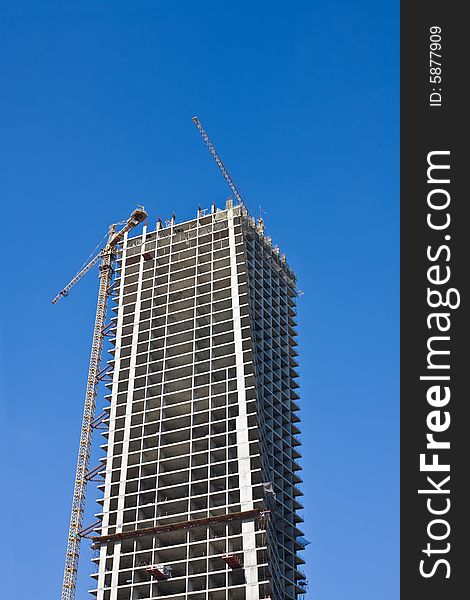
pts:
pixel 200 495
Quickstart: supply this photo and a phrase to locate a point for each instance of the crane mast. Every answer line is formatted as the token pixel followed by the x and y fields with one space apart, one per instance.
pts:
pixel 107 256
pixel 219 162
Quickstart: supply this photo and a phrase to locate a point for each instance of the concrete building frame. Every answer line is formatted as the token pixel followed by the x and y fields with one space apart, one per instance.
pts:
pixel 200 496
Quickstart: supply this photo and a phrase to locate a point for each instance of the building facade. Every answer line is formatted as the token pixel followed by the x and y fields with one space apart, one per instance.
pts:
pixel 200 494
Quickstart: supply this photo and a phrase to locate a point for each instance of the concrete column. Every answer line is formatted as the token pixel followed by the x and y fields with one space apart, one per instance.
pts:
pixel 243 446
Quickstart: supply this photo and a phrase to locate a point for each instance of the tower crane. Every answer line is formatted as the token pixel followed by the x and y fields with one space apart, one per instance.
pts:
pixel 107 257
pixel 219 162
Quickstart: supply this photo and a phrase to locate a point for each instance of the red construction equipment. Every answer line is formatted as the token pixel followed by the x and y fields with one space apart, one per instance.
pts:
pixel 232 560
pixel 160 572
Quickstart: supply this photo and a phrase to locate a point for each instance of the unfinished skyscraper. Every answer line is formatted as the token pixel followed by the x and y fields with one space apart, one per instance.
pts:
pixel 200 498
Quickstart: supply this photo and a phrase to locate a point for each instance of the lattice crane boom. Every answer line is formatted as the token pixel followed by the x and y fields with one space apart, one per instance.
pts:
pixel 113 240
pixel 219 162
pixel 79 493
pixel 78 276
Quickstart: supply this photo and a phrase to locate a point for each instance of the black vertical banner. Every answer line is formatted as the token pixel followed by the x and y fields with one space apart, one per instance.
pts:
pixel 435 252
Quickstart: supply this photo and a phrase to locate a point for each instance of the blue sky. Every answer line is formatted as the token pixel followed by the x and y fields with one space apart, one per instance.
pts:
pixel 301 102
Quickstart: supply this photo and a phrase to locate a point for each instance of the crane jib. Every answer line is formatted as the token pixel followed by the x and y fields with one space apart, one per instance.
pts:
pixel 218 161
